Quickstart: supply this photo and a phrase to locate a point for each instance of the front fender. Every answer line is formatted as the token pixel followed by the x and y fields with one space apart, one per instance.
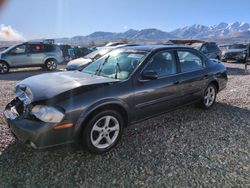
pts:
pixel 86 112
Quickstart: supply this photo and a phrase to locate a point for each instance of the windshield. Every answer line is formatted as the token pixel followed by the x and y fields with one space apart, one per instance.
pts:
pixel 118 64
pixel 238 46
pixel 98 53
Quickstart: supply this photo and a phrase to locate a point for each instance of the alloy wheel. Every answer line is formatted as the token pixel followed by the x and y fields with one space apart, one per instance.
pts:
pixel 51 65
pixel 105 132
pixel 209 97
pixel 3 68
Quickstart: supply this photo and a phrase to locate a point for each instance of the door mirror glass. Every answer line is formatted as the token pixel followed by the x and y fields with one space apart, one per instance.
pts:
pixel 149 75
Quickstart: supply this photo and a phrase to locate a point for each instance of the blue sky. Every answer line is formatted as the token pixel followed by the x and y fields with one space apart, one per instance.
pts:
pixel 66 18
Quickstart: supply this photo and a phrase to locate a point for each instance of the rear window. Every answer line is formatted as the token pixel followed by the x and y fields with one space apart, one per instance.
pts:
pixel 189 61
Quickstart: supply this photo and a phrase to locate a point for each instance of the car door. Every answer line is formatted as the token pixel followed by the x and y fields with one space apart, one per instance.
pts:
pixel 18 57
pixel 159 94
pixel 36 52
pixel 193 74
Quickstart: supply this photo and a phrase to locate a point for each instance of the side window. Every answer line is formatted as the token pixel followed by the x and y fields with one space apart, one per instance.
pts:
pixel 19 49
pixel 36 48
pixel 163 63
pixel 189 61
pixel 48 48
pixel 212 48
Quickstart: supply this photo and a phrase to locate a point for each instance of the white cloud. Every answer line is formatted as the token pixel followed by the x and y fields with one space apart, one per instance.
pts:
pixel 8 33
pixel 125 27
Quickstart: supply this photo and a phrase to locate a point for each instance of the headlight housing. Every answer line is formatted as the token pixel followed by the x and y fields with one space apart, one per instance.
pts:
pixel 47 114
pixel 24 94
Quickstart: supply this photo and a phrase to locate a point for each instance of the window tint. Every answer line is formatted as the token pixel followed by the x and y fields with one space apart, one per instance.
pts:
pixel 19 49
pixel 35 48
pixel 212 48
pixel 189 61
pixel 48 48
pixel 163 63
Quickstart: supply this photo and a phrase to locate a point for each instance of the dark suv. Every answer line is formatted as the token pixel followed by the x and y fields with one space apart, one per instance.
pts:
pixel 235 52
pixel 123 87
pixel 210 49
pixel 30 54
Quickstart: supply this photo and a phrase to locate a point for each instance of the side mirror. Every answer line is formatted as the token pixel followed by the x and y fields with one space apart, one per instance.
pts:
pixel 149 75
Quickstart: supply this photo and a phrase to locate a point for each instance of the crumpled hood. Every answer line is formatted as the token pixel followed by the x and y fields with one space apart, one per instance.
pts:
pixel 49 85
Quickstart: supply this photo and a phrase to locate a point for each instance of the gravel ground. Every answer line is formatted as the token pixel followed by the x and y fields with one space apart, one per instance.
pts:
pixel 189 147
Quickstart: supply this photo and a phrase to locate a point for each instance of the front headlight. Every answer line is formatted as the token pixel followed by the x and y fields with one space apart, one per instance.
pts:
pixel 47 113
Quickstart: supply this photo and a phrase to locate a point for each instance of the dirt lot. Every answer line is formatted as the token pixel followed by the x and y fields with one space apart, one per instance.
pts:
pixel 188 147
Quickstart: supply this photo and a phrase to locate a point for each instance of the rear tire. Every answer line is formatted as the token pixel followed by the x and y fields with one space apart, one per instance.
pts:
pixel 4 67
pixel 103 131
pixel 51 64
pixel 209 97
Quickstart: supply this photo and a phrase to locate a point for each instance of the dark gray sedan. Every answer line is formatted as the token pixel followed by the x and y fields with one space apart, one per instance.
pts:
pixel 125 86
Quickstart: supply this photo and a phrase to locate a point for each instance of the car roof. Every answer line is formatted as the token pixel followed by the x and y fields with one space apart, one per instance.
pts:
pixel 156 47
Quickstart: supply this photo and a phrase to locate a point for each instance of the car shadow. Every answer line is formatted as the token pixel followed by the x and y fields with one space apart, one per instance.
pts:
pixel 20 74
pixel 176 140
pixel 236 71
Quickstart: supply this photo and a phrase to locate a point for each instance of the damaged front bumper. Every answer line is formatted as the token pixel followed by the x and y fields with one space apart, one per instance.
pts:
pixel 33 132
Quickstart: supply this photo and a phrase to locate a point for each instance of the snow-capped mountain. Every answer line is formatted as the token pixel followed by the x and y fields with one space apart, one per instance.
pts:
pixel 225 31
pixel 201 31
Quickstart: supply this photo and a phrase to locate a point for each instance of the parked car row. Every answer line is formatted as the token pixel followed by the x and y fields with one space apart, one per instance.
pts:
pixel 48 55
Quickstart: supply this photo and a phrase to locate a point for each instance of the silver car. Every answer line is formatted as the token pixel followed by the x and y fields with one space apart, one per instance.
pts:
pixel 30 54
pixel 82 62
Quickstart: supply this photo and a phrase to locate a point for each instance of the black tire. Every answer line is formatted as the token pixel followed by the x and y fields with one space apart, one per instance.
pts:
pixel 4 67
pixel 211 91
pixel 89 134
pixel 51 64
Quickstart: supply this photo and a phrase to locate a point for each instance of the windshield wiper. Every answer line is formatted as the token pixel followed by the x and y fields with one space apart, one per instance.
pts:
pixel 98 70
pixel 117 69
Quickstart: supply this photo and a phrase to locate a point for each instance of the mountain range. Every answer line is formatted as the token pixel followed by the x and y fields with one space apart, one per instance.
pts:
pixel 222 33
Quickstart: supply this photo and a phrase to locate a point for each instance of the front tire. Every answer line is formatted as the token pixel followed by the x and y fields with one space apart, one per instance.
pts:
pixel 51 65
pixel 4 67
pixel 103 131
pixel 209 97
